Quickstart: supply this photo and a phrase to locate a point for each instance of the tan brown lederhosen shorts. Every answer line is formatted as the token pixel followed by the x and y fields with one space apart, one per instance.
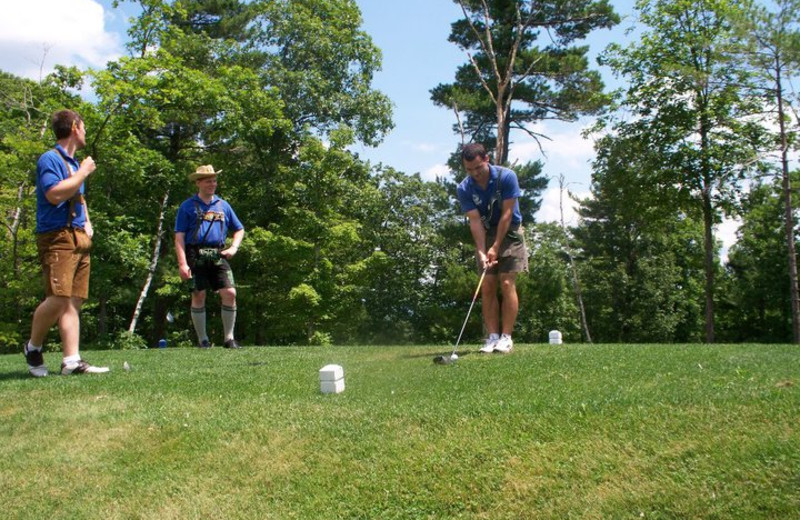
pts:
pixel 64 256
pixel 513 254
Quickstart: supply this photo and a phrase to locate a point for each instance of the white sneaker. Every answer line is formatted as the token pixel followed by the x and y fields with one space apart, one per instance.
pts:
pixel 488 345
pixel 504 345
pixel 35 361
pixel 82 367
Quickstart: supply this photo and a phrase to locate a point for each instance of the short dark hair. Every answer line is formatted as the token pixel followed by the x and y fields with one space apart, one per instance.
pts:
pixel 473 150
pixel 63 121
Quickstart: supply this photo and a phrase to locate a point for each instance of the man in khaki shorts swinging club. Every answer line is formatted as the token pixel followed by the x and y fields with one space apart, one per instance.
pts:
pixel 489 197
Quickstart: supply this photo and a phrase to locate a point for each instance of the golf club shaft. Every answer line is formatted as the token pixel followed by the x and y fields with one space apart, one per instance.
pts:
pixel 475 297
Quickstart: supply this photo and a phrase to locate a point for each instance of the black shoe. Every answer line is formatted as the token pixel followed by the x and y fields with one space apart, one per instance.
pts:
pixel 232 343
pixel 35 361
pixel 204 344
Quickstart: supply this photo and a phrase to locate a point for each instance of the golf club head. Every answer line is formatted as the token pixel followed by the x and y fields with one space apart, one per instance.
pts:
pixel 443 360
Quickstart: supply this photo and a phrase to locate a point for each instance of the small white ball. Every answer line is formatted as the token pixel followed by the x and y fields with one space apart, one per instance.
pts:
pixel 454 356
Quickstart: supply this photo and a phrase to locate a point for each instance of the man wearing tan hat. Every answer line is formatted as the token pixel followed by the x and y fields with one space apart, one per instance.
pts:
pixel 201 228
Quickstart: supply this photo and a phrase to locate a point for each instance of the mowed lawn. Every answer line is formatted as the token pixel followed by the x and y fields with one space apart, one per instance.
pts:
pixel 569 431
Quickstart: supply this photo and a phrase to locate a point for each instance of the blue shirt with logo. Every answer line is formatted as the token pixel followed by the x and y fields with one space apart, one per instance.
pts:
pixel 50 170
pixel 472 196
pixel 214 220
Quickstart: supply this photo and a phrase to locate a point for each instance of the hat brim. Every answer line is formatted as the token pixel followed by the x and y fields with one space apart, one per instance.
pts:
pixel 198 176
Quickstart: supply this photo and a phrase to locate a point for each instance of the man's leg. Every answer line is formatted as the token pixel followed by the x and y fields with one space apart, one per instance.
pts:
pixel 227 296
pixel 45 316
pixel 508 286
pixel 69 326
pixel 489 304
pixel 490 308
pixel 199 317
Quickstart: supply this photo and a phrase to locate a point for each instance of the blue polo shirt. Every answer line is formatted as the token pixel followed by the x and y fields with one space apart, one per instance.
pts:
pixel 50 170
pixel 472 196
pixel 215 219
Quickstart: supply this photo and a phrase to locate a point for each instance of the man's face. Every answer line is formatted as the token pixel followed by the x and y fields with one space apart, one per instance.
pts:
pixel 478 168
pixel 207 186
pixel 79 130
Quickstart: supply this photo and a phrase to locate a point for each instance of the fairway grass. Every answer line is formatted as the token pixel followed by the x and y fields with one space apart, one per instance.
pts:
pixel 551 431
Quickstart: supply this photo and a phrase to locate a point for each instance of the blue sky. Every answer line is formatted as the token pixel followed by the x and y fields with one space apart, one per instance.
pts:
pixel 412 36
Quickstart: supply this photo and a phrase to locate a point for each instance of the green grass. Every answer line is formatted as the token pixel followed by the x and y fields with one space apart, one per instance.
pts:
pixel 589 432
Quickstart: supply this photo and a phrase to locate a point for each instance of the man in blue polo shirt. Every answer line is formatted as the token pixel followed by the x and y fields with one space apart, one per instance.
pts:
pixel 201 228
pixel 488 196
pixel 63 239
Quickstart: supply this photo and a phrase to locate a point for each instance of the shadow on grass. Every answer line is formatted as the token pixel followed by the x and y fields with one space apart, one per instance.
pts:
pixel 437 354
pixel 17 375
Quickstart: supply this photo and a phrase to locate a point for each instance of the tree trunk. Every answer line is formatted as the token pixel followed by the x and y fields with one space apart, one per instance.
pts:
pixel 13 228
pixel 710 268
pixel 576 283
pixel 153 265
pixel 501 150
pixel 789 218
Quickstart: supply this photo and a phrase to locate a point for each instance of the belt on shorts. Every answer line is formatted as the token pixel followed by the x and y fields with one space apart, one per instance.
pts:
pixel 205 252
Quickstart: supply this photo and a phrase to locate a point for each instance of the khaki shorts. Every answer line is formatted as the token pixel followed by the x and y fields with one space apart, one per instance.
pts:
pixel 513 254
pixel 64 256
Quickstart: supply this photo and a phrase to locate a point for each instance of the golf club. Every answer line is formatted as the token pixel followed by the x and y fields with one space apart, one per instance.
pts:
pixel 443 360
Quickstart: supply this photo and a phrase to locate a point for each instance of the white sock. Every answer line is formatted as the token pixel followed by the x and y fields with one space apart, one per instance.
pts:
pixel 31 347
pixel 71 360
pixel 199 322
pixel 228 321
pixel 494 336
pixel 507 336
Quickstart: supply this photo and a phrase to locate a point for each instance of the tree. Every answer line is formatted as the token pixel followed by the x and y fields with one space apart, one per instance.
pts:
pixel 757 306
pixel 771 46
pixel 251 87
pixel 639 253
pixel 686 93
pixel 510 82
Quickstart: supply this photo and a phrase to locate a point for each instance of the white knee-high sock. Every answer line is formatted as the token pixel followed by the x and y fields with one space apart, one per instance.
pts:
pixel 199 322
pixel 228 321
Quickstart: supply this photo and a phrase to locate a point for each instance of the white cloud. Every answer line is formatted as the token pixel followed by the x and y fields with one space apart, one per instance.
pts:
pixel 566 151
pixel 36 35
pixel 551 206
pixel 439 170
pixel 726 233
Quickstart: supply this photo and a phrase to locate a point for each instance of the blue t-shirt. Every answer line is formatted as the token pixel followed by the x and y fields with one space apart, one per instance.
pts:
pixel 50 170
pixel 472 196
pixel 215 219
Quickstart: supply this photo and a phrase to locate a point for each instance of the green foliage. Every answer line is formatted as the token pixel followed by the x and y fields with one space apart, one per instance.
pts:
pixel 636 286
pixel 757 305
pixel 125 340
pixel 693 114
pixel 11 340
pixel 275 92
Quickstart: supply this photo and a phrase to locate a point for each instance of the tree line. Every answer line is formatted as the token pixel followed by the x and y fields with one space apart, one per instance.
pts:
pixel 341 251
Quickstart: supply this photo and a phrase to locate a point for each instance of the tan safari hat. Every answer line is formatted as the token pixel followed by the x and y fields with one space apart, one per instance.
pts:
pixel 203 172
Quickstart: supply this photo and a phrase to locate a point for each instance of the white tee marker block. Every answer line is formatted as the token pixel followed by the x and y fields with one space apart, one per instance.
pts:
pixel 331 379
